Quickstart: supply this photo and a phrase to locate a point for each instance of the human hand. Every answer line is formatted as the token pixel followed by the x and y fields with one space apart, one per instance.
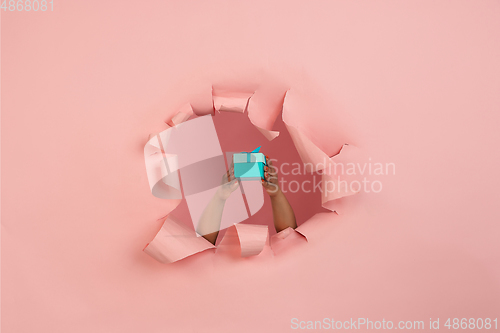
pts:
pixel 229 184
pixel 270 181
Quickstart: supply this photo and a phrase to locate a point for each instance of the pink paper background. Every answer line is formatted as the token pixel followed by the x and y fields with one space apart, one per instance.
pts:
pixel 415 83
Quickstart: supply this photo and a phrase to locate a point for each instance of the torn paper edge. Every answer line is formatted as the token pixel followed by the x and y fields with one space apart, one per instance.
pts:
pixel 251 239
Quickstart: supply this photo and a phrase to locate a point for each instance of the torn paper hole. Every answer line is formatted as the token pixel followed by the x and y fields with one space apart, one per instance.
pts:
pixel 178 153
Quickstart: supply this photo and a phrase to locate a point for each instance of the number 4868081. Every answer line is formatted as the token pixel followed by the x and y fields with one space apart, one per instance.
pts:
pixel 472 323
pixel 27 5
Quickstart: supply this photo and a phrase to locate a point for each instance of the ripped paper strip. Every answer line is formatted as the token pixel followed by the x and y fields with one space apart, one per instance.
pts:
pixel 286 238
pixel 230 101
pixel 251 238
pixel 163 176
pixel 184 114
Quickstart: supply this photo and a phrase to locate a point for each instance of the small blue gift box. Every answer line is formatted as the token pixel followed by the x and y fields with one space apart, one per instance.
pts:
pixel 249 166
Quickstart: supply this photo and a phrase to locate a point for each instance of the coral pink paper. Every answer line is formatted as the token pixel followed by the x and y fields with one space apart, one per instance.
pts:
pixel 414 83
pixel 244 240
pixel 251 237
pixel 175 241
pixel 230 101
pixel 184 113
pixel 285 239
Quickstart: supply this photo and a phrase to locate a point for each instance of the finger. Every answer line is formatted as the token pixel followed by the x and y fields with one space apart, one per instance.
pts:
pixel 272 170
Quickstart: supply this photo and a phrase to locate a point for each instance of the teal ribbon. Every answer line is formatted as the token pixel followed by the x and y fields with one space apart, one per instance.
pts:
pixel 256 150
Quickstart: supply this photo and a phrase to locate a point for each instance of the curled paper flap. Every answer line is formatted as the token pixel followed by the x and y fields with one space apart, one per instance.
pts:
pixel 175 241
pixel 252 238
pixel 181 116
pixel 303 229
pixel 247 239
pixel 230 101
pixel 286 238
pixel 264 124
pixel 270 135
pixel 153 143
